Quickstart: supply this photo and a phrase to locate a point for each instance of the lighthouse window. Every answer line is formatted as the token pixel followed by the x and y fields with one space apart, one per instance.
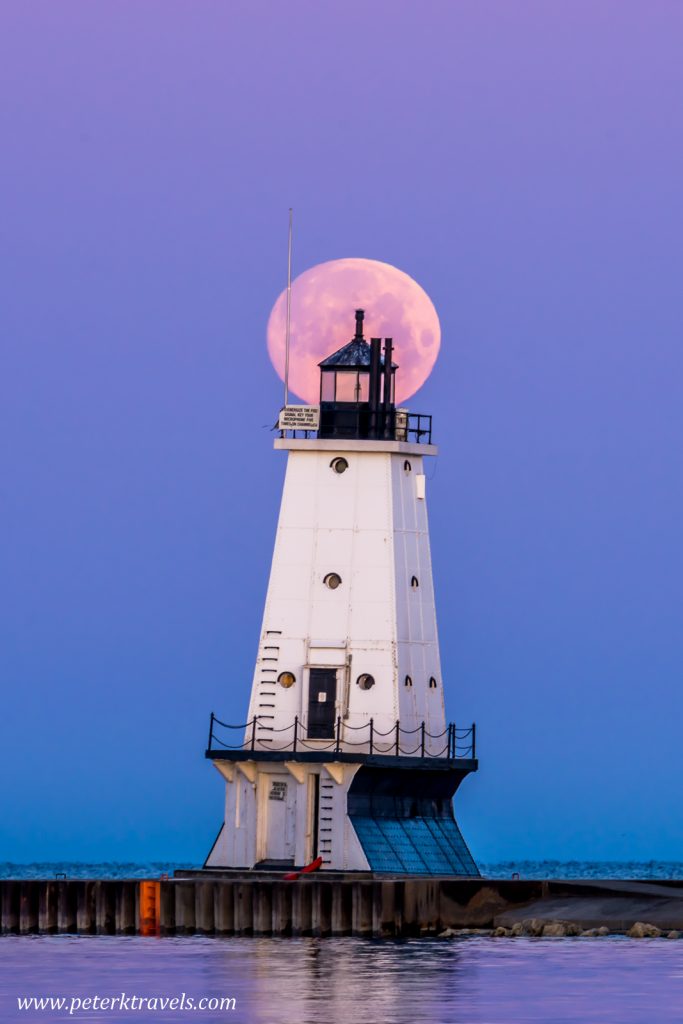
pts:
pixel 365 681
pixel 409 681
pixel 327 387
pixel 347 387
pixel 339 465
pixel 415 583
pixel 407 467
pixel 332 580
pixel 432 683
pixel 286 679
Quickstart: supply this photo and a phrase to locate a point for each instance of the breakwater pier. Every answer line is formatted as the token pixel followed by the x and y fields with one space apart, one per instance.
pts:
pixel 265 904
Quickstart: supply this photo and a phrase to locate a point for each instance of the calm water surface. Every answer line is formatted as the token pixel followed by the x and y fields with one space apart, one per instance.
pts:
pixel 334 981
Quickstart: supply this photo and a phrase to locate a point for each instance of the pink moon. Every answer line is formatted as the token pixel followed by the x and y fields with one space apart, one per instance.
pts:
pixel 324 300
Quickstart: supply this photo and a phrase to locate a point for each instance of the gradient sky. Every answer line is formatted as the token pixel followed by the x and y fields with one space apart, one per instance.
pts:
pixel 523 161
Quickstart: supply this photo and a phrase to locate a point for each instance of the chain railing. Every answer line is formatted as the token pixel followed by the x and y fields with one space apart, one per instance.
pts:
pixel 396 741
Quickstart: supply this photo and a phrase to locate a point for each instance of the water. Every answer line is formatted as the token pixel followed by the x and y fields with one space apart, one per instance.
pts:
pixel 471 980
pixel 497 869
pixel 84 869
pixel 584 869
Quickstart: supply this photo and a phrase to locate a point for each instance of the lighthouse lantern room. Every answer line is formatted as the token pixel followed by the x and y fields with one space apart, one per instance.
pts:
pixel 347 755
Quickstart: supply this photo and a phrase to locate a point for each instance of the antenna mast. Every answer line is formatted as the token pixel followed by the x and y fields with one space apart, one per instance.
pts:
pixel 289 307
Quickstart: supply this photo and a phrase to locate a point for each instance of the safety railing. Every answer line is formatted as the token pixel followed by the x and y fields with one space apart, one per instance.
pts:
pixel 418 428
pixel 452 743
pixel 353 423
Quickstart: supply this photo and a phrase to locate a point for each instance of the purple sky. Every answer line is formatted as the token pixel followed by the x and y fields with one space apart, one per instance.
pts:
pixel 524 162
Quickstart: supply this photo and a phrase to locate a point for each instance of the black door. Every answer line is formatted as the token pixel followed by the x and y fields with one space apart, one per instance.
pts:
pixel 322 694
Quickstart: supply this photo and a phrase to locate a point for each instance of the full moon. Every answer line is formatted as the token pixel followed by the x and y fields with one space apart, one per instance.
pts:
pixel 324 300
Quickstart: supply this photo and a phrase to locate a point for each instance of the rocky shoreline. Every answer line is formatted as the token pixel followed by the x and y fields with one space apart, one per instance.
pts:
pixel 537 928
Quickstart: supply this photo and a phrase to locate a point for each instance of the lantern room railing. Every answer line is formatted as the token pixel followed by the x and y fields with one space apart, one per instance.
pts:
pixel 453 743
pixel 352 423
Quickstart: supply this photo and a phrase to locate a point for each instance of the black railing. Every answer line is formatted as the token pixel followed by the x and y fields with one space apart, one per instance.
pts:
pixel 418 428
pixel 352 422
pixel 452 743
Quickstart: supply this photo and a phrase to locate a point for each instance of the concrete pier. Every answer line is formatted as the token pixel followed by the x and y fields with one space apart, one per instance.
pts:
pixel 265 904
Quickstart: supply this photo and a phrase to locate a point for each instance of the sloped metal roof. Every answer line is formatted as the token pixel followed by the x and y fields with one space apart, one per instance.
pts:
pixel 354 355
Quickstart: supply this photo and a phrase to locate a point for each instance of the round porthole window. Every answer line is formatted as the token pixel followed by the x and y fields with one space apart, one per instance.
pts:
pixel 408 681
pixel 332 580
pixel 366 682
pixel 286 679
pixel 339 465
pixel 415 583
pixel 432 683
pixel 407 467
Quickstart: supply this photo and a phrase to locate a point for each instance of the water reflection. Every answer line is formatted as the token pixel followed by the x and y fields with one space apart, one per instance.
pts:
pixel 352 979
pixel 316 981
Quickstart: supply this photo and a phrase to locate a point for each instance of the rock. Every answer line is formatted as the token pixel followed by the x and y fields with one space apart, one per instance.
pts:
pixel 484 906
pixel 533 926
pixel 500 932
pixel 554 929
pixel 537 926
pixel 642 930
pixel 603 930
pixel 590 933
pixel 673 935
pixel 447 934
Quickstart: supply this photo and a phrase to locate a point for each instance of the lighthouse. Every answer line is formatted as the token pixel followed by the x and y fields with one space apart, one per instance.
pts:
pixel 347 758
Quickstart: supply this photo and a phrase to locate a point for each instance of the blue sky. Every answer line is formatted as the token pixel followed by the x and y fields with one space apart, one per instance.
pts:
pixel 523 162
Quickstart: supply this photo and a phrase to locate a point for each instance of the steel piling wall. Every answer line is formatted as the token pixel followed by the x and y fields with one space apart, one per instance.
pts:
pixel 218 906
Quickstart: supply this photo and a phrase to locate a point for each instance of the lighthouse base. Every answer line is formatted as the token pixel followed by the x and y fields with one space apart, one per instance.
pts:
pixel 405 823
pixel 373 814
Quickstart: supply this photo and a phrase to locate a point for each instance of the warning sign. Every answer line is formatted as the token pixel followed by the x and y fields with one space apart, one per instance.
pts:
pixel 278 791
pixel 299 417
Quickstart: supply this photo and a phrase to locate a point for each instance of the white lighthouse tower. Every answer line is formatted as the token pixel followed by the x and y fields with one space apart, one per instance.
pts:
pixel 347 755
